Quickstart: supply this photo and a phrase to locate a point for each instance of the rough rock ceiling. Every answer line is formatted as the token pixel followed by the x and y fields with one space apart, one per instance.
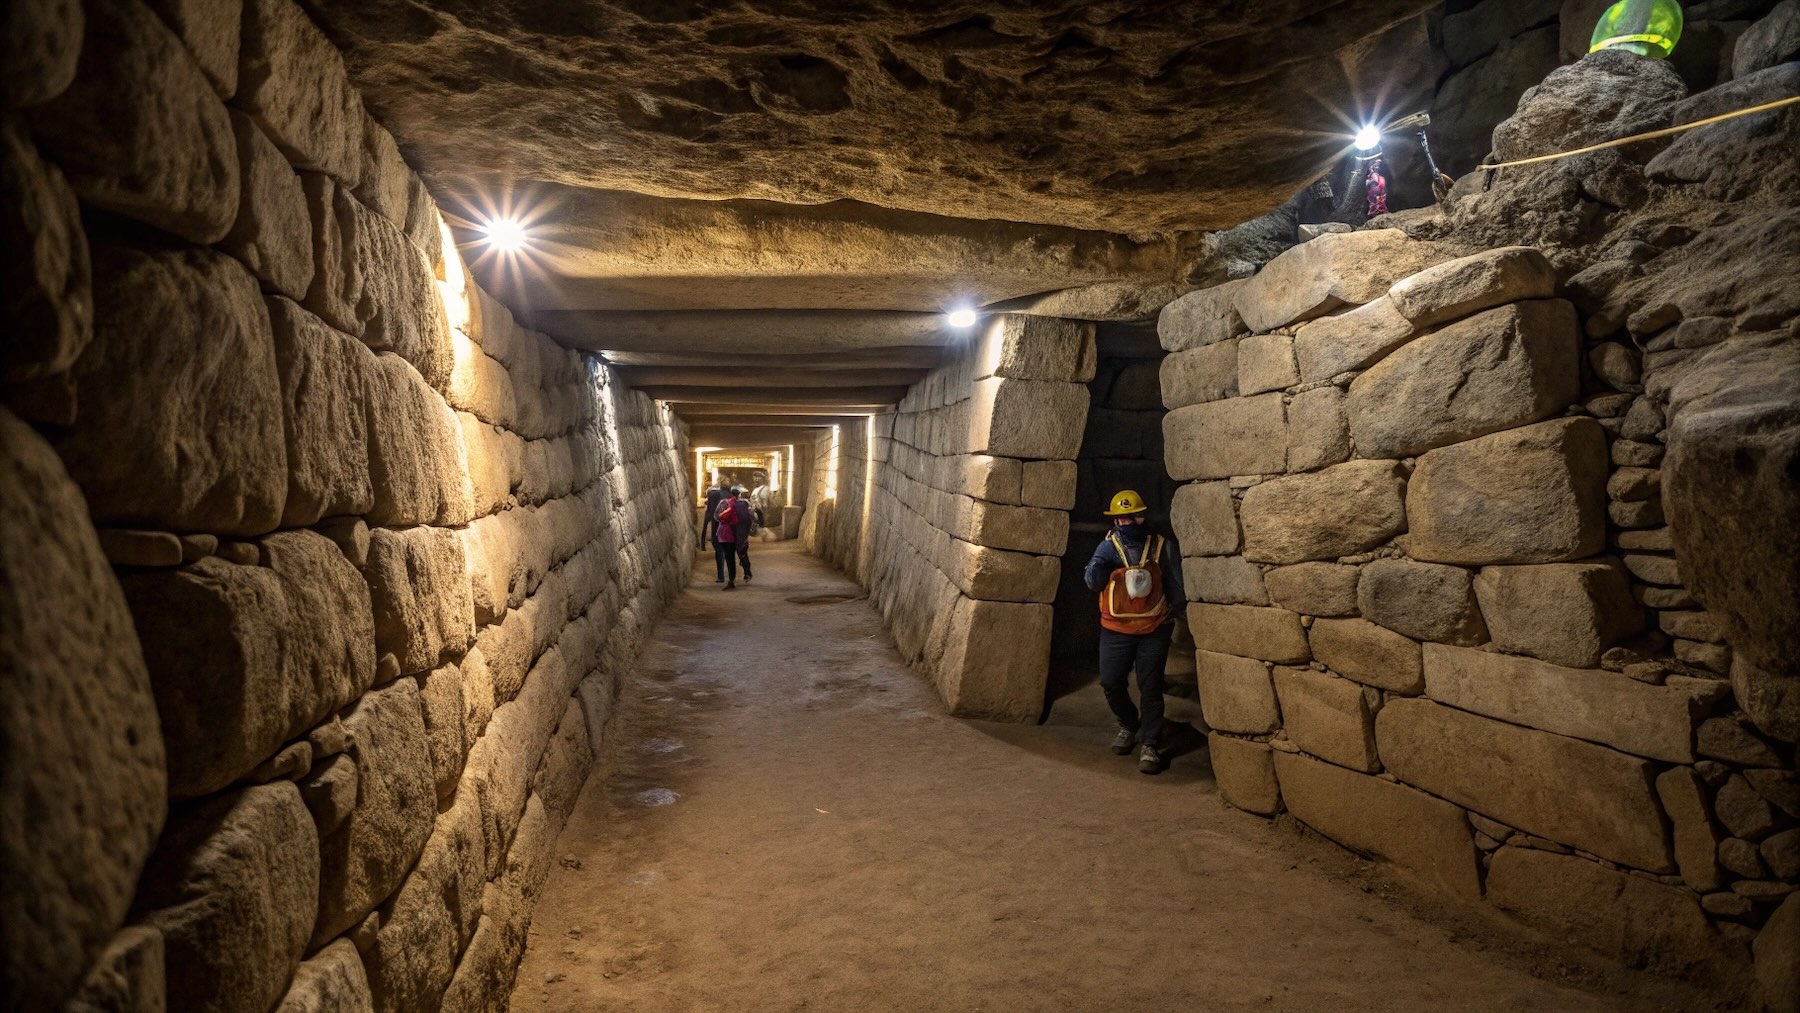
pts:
pixel 795 181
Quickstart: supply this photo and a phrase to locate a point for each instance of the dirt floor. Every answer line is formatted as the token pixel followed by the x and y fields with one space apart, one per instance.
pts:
pixel 784 818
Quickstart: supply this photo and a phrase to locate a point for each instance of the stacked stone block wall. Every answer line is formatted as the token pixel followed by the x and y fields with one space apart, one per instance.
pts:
pixel 954 510
pixel 319 570
pixel 1438 615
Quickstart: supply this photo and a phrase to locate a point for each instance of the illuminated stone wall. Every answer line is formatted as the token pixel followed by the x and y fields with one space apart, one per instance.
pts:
pixel 319 570
pixel 954 510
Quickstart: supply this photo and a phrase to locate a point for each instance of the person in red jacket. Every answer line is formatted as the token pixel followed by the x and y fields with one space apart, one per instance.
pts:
pixel 732 537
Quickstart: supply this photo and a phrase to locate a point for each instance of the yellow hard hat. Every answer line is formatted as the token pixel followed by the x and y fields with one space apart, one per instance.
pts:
pixel 1127 502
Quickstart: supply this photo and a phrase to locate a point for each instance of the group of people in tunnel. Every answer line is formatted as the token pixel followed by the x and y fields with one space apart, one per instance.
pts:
pixel 728 524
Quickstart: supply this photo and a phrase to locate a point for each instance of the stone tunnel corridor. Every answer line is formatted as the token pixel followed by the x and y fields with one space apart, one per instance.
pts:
pixel 372 370
pixel 785 818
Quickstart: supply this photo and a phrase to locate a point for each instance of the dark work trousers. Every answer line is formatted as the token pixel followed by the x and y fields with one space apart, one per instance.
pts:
pixel 743 556
pixel 725 555
pixel 1148 653
pixel 707 527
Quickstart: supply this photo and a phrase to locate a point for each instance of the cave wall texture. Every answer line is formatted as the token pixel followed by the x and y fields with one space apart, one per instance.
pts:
pixel 319 570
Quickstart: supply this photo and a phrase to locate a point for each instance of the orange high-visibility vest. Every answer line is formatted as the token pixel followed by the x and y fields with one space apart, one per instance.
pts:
pixel 1122 613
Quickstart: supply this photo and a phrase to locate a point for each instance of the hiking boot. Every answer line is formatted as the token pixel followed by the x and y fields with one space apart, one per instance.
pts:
pixel 1123 741
pixel 746 578
pixel 731 586
pixel 1149 760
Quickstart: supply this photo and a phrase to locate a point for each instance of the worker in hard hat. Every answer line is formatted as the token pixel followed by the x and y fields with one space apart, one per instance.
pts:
pixel 1137 573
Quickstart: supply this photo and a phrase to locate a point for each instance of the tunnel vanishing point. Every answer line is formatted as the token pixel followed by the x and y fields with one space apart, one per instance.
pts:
pixel 366 362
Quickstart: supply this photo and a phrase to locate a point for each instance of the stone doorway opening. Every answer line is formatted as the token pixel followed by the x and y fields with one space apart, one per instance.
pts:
pixel 1121 448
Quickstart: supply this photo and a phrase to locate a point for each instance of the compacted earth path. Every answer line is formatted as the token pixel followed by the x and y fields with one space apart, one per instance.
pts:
pixel 785 818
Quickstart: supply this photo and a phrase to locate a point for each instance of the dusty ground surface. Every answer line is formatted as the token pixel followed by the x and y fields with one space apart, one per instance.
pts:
pixel 784 818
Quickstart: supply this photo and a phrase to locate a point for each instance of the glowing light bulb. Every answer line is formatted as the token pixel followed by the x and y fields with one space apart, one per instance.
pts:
pixel 505 234
pixel 1368 138
pixel 963 317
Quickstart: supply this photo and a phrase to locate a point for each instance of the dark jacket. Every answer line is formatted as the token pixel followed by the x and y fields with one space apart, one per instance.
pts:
pixel 1106 560
pixel 713 497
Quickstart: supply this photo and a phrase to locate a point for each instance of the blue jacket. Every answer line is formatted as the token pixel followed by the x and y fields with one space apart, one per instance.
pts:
pixel 1106 560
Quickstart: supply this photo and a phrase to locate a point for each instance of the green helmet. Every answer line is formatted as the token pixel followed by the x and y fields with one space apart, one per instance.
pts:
pixel 1645 27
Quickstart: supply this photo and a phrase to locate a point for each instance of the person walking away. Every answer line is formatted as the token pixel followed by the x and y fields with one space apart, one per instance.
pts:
pixel 725 532
pixel 746 524
pixel 714 496
pixel 1138 575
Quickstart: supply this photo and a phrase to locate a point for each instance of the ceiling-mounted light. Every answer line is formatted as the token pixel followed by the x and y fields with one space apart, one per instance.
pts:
pixel 961 317
pixel 1368 138
pixel 507 235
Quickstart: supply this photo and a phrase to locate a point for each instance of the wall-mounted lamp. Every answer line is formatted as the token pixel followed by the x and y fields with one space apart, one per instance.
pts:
pixel 962 316
pixel 505 235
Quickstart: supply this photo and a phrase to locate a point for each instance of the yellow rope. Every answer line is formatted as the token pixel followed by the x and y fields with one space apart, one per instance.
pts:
pixel 1666 131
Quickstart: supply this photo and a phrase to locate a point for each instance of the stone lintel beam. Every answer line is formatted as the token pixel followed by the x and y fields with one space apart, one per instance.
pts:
pixel 766 419
pixel 897 357
pixel 739 437
pixel 693 409
pixel 819 398
pixel 776 377
pixel 744 331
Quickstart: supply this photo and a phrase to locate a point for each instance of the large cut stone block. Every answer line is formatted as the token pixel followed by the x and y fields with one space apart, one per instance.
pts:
pixel 1592 704
pixel 128 975
pixel 1318 435
pixel 82 798
pixel 417 463
pixel 1236 694
pixel 1496 370
pixel 1327 716
pixel 1684 798
pixel 1022 529
pixel 376 285
pixel 1204 517
pixel 1328 346
pixel 45 286
pixel 996 658
pixel 1048 484
pixel 1199 375
pixel 1314 589
pixel 1734 424
pixel 364 860
pixel 1219 439
pixel 1531 495
pixel 180 421
pixel 1339 511
pixel 1425 601
pixel 1200 318
pixel 1626 917
pixel 1027 418
pixel 1331 271
pixel 432 915
pixel 39 49
pixel 211 31
pixel 272 233
pixel 1565 613
pixel 324 396
pixel 140 131
pixel 1265 363
pixel 1427 837
pixel 1370 654
pixel 1271 634
pixel 997 575
pixel 232 888
pixel 1564 789
pixel 1245 772
pixel 1460 287
pixel 292 79
pixel 419 586
pixel 1225 580
pixel 244 658
pixel 1022 347
pixel 332 979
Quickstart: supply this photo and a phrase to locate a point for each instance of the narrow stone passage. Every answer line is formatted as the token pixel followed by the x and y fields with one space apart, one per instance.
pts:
pixel 784 818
